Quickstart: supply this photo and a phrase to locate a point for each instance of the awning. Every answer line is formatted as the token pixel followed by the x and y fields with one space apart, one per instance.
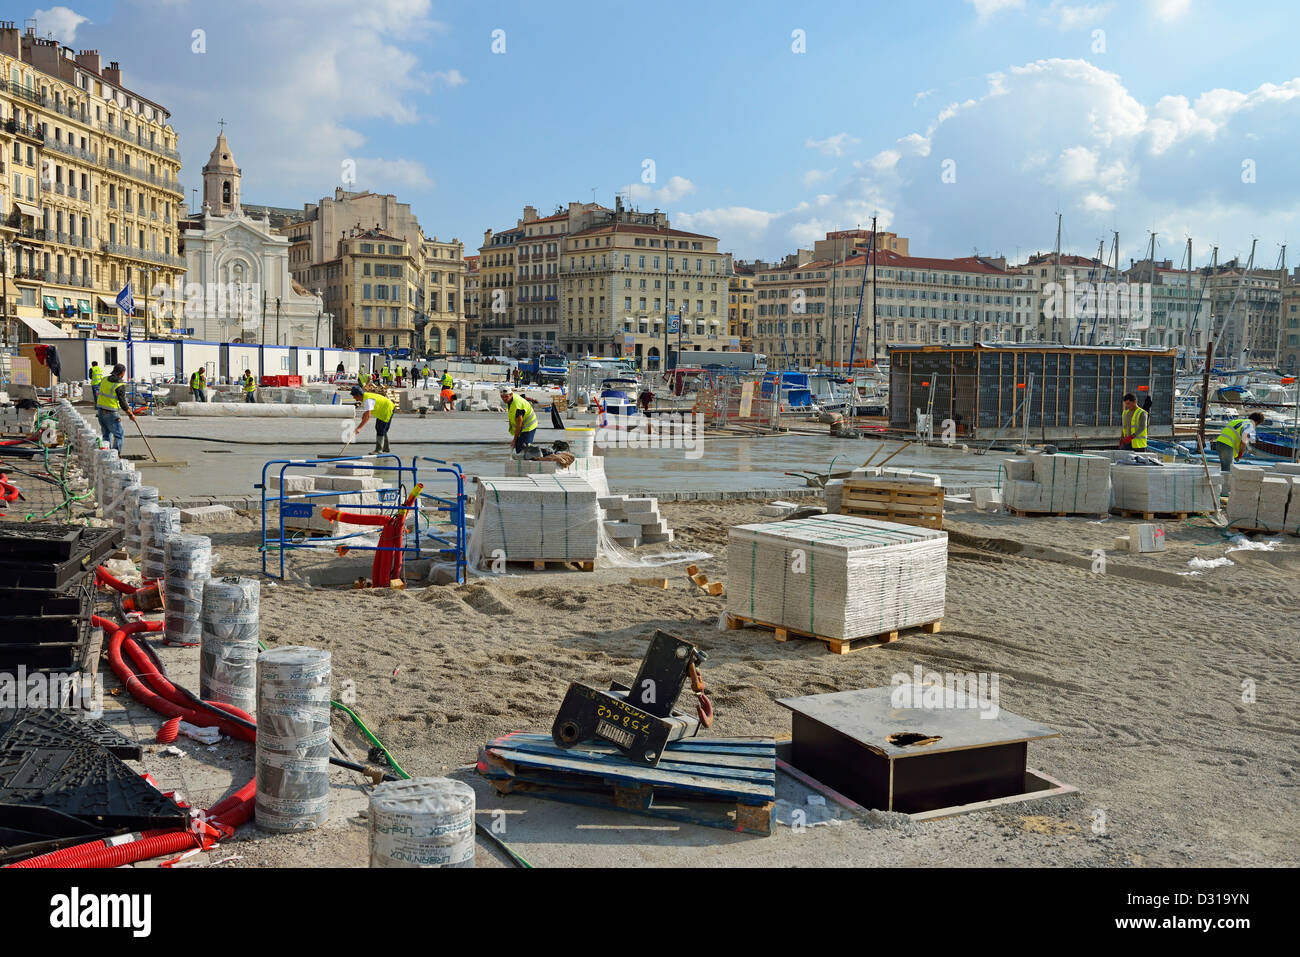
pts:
pixel 42 327
pixel 108 301
pixel 51 303
pixel 27 209
pixel 83 306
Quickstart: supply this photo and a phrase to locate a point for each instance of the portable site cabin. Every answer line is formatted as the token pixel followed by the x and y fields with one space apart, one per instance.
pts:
pixel 195 354
pixel 330 359
pixel 276 360
pixel 1074 392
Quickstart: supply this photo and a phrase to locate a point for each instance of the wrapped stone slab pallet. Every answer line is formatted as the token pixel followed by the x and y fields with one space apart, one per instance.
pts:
pixel 590 467
pixel 1146 491
pixel 1057 485
pixel 1264 499
pixel 838 578
pixel 543 519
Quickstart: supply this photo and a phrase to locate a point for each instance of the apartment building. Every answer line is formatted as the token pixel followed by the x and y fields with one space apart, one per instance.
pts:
pixel 1053 271
pixel 827 312
pixel 90 194
pixel 629 279
pixel 520 279
pixel 1289 360
pixel 1247 308
pixel 472 333
pixel 740 306
pixel 1177 308
pixel 326 253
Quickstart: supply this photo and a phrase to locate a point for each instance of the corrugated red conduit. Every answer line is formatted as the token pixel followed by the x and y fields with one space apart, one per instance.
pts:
pixel 138 670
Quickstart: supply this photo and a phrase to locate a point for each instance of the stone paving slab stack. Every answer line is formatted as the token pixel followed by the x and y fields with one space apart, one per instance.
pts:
pixel 837 576
pixel 632 520
pixel 1068 484
pixel 537 518
pixel 1161 488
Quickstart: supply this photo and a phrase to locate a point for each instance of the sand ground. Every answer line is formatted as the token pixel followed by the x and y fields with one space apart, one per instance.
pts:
pixel 1141 668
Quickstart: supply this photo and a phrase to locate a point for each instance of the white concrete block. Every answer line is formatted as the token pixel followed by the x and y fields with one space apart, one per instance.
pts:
pixel 207 514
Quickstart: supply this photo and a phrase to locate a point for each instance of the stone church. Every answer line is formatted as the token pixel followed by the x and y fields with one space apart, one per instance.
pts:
pixel 238 287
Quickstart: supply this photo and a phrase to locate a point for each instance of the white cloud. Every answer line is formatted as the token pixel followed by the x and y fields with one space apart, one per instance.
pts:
pixel 815 176
pixel 836 145
pixel 60 23
pixel 1170 10
pixel 675 189
pixel 452 78
pixel 393 173
pixel 922 95
pixel 987 8
pixel 1070 16
pixel 1063 135
pixel 739 224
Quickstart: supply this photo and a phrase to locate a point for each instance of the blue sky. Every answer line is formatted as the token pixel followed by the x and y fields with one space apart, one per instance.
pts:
pixel 963 124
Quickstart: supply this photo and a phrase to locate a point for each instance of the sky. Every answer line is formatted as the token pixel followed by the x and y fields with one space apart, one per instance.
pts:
pixel 963 125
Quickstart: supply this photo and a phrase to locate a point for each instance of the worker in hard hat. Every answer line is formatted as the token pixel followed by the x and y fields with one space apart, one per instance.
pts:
pixel 382 408
pixel 1237 436
pixel 521 419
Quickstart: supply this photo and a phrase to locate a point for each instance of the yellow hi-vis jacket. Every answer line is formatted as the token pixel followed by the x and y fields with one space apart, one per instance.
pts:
pixel 1233 434
pixel 250 385
pixel 519 404
pixel 196 379
pixel 96 376
pixel 383 406
pixel 106 397
pixel 446 380
pixel 1135 427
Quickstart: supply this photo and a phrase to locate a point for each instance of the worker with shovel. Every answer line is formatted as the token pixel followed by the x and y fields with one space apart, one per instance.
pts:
pixel 382 407
pixel 110 400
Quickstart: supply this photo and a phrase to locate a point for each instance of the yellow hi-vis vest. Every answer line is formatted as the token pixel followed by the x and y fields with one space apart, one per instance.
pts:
pixel 1135 426
pixel 250 385
pixel 195 382
pixel 446 380
pixel 1232 434
pixel 519 404
pixel 106 397
pixel 383 407
pixel 96 376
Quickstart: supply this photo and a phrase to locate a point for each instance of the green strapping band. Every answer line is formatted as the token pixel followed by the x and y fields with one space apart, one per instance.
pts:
pixel 753 567
pixel 497 498
pixel 812 591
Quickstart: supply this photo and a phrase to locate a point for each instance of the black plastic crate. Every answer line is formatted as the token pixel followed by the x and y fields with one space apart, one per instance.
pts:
pixel 43 575
pixel 30 602
pixel 43 656
pixel 42 630
pixel 46 543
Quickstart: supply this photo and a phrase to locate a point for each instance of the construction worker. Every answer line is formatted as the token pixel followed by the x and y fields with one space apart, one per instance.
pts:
pixel 382 407
pixel 110 400
pixel 446 379
pixel 448 398
pixel 250 387
pixel 363 378
pixel 1237 436
pixel 199 384
pixel 1133 425
pixel 520 417
pixel 96 377
pixel 386 374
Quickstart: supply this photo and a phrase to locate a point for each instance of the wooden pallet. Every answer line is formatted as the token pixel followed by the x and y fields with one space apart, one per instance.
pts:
pixel 728 783
pixel 907 503
pixel 838 646
pixel 1150 516
pixel 564 564
pixel 1022 514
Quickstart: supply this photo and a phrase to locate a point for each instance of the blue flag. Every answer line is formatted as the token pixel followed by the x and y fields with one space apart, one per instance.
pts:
pixel 125 301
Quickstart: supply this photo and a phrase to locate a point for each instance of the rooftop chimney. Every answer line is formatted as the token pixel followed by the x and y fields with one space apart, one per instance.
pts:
pixel 89 60
pixel 114 73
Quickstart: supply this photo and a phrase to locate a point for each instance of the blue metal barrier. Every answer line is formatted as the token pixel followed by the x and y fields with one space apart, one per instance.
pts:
pixel 454 509
pixel 299 505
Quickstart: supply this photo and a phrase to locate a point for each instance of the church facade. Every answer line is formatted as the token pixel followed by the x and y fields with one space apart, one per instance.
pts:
pixel 237 285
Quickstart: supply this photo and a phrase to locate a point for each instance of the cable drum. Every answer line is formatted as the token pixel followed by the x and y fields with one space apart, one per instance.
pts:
pixel 187 564
pixel 228 657
pixel 136 497
pixel 104 459
pixel 293 738
pixel 423 822
pixel 159 524
pixel 118 482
